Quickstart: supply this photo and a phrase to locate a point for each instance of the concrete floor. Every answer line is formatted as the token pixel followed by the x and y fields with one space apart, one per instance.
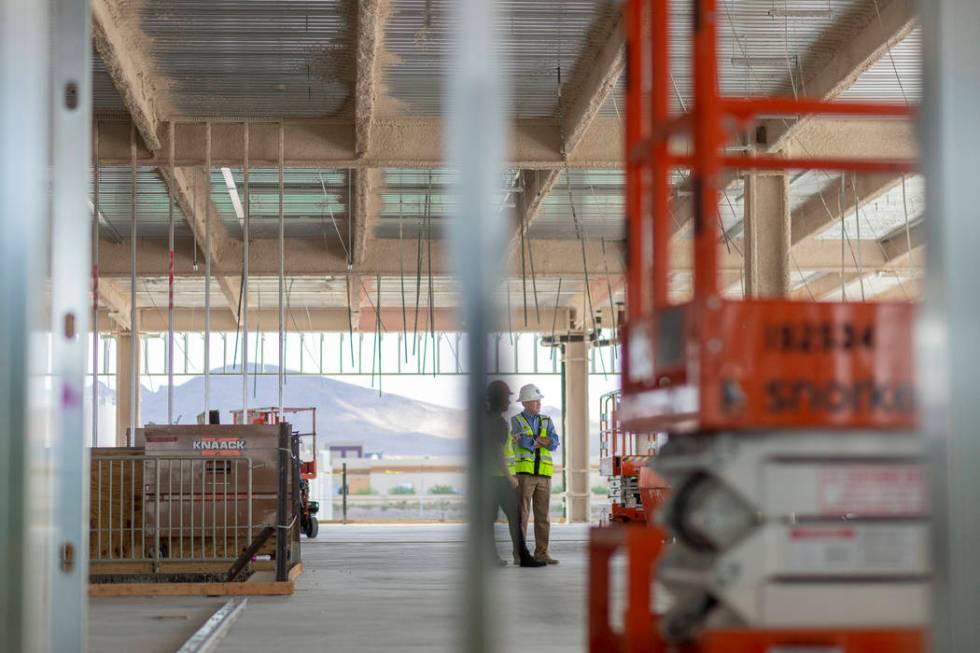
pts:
pixel 372 588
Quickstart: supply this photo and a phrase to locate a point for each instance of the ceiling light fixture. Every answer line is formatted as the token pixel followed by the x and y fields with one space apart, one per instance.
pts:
pixel 236 201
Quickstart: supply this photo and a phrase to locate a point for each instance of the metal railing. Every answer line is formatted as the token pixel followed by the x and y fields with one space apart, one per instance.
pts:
pixel 170 509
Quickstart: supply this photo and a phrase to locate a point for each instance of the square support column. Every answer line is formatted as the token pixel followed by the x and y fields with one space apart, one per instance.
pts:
pixel 767 235
pixel 576 436
pixel 125 341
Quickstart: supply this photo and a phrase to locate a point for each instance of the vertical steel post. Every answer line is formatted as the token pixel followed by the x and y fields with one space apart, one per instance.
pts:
pixel 282 272
pixel 24 142
pixel 170 277
pixel 95 284
pixel 244 287
pixel 134 340
pixel 708 142
pixel 207 274
pixel 477 96
pixel 71 121
pixel 949 351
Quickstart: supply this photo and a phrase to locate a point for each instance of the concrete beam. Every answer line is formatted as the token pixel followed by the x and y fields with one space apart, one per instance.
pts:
pixel 825 287
pixel 117 35
pixel 367 211
pixel 116 302
pixel 825 209
pixel 593 79
pixel 326 319
pixel 371 15
pixel 191 187
pixel 863 46
pixel 843 138
pixel 307 257
pixel 553 258
pixel 396 143
pixel 600 287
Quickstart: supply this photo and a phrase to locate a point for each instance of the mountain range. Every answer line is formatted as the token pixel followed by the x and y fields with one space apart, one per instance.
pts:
pixel 346 413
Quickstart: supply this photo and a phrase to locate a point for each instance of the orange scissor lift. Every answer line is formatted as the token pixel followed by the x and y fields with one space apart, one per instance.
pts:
pixel 796 519
pixel 635 489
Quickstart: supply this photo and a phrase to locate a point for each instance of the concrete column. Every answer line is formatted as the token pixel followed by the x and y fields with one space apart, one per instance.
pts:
pixel 576 436
pixel 767 235
pixel 124 343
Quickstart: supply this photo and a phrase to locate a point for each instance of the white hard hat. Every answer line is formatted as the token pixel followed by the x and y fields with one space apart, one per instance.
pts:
pixel 530 392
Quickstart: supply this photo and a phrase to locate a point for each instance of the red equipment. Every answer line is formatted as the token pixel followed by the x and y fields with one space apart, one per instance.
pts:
pixel 303 421
pixel 635 490
pixel 810 397
pixel 299 418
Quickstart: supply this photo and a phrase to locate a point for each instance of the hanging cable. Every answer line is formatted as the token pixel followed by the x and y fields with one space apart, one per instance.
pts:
pixel 523 269
pixel 857 221
pixel 377 328
pixel 401 273
pixel 432 309
pixel 418 281
pixel 534 280
pixel 554 319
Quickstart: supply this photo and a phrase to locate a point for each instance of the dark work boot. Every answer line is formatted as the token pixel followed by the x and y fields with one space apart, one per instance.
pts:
pixel 527 560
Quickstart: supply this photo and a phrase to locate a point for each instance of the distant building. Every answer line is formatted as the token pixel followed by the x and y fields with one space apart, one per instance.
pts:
pixel 340 450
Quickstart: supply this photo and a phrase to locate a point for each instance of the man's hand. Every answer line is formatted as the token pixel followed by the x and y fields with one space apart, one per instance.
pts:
pixel 513 481
pixel 543 442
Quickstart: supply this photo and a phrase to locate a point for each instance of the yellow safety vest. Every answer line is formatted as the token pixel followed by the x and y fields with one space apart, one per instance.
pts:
pixel 527 460
pixel 509 455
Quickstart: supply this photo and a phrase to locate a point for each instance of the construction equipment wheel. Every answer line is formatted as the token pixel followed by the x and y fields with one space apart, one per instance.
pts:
pixel 312 527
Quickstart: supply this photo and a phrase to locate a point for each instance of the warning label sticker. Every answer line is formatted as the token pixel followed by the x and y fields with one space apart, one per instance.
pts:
pixel 855 549
pixel 871 490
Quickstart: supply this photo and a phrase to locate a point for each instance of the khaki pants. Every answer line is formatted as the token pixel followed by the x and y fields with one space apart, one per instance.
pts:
pixel 535 492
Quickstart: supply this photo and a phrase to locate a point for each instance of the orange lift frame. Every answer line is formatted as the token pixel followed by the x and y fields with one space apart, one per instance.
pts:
pixel 713 364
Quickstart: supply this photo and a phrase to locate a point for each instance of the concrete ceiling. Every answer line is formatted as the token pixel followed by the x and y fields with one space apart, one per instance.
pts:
pixel 358 88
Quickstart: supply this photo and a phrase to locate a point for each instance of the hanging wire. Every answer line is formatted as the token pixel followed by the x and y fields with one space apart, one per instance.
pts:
pixel 401 269
pixel 554 319
pixel 350 319
pixel 857 221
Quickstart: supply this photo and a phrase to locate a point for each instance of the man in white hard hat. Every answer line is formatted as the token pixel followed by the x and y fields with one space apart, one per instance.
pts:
pixel 536 441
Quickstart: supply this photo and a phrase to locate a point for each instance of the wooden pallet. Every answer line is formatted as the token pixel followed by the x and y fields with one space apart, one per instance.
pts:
pixel 247 588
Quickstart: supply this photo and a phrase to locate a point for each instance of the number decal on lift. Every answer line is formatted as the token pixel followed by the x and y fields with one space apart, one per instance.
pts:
pixel 811 337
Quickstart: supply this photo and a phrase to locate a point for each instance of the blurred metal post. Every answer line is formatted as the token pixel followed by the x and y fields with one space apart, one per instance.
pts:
pixel 71 121
pixel 343 488
pixel 24 142
pixel 476 101
pixel 949 350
